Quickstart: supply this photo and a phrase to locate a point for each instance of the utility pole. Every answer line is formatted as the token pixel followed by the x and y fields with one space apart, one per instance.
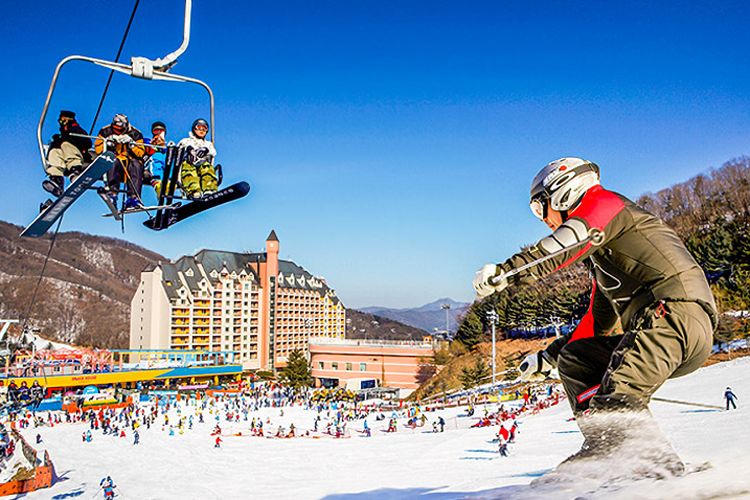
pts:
pixel 447 308
pixel 492 316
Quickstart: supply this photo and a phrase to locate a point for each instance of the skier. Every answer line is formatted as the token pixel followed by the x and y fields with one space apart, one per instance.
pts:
pixel 730 397
pixel 65 154
pixel 108 486
pixel 642 275
pixel 217 442
pixel 154 168
pixel 136 438
pixel 197 172
pixel 127 142
pixel 503 448
pixel 441 423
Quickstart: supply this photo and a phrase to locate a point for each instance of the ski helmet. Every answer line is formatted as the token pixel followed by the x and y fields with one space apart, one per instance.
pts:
pixel 561 184
pixel 157 125
pixel 199 121
pixel 120 122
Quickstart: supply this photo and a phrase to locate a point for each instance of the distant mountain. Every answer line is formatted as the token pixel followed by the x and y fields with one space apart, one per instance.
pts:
pixel 427 317
pixel 362 325
pixel 85 295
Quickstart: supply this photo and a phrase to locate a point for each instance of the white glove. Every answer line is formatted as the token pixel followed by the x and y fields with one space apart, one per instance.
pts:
pixel 485 285
pixel 122 138
pixel 535 366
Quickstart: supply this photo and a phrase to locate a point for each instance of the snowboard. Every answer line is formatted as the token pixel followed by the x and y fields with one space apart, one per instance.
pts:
pixel 171 216
pixel 595 482
pixel 84 181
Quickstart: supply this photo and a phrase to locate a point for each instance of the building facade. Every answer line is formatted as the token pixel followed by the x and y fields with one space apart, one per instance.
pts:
pixel 254 304
pixel 362 364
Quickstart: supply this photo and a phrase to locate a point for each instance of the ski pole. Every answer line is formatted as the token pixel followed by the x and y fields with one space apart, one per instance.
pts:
pixel 595 238
pixel 687 403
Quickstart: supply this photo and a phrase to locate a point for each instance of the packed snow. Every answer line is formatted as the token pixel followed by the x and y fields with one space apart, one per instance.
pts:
pixel 461 462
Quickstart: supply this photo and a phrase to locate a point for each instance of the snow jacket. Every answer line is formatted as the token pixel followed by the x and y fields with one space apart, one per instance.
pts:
pixel 82 143
pixel 124 152
pixel 640 263
pixel 197 151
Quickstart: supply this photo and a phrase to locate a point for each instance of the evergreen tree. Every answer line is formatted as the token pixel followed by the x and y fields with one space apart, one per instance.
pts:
pixel 297 373
pixel 471 376
pixel 469 332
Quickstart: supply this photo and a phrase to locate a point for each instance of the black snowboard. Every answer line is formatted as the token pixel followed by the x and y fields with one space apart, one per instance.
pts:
pixel 172 216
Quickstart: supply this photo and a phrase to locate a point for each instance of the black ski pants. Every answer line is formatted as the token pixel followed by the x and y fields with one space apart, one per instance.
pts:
pixel 133 180
pixel 623 371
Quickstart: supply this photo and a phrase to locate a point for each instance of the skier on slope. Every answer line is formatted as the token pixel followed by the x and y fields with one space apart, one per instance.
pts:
pixel 65 154
pixel 127 143
pixel 197 172
pixel 730 397
pixel 108 487
pixel 642 275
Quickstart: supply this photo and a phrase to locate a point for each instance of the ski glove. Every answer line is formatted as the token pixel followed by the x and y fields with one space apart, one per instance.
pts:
pixel 485 285
pixel 122 138
pixel 535 365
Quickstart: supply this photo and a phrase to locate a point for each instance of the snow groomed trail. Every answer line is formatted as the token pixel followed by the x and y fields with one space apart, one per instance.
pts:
pixel 459 463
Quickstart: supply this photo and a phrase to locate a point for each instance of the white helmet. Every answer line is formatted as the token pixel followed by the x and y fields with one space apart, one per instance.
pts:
pixel 561 184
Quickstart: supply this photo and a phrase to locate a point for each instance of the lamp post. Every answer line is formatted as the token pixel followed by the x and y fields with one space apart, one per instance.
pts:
pixel 447 308
pixel 492 316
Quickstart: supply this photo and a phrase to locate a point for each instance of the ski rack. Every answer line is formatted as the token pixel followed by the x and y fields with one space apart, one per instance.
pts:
pixel 140 67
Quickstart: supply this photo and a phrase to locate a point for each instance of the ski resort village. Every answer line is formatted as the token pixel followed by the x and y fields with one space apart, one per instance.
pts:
pixel 377 250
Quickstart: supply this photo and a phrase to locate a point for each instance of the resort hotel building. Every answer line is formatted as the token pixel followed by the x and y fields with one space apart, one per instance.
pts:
pixel 254 304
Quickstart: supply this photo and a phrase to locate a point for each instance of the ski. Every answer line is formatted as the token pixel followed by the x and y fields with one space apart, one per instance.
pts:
pixel 175 215
pixel 106 197
pixel 84 181
pixel 118 214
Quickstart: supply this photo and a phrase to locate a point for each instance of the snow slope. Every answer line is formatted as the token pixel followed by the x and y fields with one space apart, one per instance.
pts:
pixel 458 463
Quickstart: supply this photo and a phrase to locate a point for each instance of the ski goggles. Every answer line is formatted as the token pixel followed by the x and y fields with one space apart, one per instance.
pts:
pixel 203 128
pixel 539 207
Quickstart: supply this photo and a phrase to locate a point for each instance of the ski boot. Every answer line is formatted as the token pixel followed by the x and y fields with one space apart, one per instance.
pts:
pixel 44 206
pixel 196 195
pixel 54 185
pixel 132 203
pixel 74 172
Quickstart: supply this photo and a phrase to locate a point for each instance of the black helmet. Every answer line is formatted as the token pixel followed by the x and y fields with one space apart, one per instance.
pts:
pixel 158 125
pixel 199 121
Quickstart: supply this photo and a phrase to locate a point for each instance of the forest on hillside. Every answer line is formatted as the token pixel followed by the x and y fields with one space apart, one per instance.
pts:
pixel 710 212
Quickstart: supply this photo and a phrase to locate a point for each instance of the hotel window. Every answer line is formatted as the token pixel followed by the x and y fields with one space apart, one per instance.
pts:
pixel 348 367
pixel 321 365
pixel 363 367
pixel 334 365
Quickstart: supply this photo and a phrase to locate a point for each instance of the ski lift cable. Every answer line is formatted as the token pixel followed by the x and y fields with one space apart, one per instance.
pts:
pixel 41 276
pixel 59 223
pixel 112 72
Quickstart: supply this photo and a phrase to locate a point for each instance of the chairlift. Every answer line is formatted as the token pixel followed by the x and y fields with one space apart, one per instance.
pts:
pixel 168 211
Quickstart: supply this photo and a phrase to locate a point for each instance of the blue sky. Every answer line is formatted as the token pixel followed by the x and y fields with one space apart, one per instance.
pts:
pixel 390 144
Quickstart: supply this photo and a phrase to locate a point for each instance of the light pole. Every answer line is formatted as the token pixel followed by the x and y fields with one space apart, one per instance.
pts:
pixel 447 308
pixel 492 316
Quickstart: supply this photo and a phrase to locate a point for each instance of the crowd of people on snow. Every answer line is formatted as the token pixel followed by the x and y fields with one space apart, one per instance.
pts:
pixel 138 159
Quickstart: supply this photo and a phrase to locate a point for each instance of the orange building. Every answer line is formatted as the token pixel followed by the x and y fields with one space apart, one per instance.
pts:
pixel 360 364
pixel 251 303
